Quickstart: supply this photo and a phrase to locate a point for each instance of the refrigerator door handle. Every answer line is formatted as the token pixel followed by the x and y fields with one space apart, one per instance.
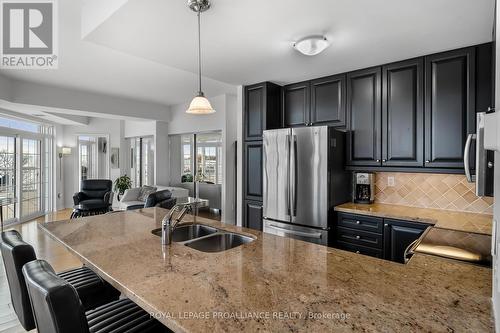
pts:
pixel 288 206
pixel 470 137
pixel 293 175
pixel 295 232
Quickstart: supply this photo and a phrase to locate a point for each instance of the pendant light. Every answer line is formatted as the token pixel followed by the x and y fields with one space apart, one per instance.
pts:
pixel 199 104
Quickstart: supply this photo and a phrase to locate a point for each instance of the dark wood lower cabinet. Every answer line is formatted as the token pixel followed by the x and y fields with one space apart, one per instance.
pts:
pixel 253 215
pixel 381 238
pixel 398 235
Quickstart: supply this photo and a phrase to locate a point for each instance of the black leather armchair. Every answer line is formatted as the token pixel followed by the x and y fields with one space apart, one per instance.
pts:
pixel 161 199
pixel 95 194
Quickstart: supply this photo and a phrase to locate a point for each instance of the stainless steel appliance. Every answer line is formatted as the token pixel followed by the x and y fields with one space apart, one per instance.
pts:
pixel 303 180
pixel 483 163
pixel 363 187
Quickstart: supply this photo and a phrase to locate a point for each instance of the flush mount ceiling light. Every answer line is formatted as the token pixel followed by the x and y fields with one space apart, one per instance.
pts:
pixel 311 45
pixel 199 104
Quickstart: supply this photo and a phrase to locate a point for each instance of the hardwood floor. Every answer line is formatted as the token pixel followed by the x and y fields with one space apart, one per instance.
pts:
pixel 45 248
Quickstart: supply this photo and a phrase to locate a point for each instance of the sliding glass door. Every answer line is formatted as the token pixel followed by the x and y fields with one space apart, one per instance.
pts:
pixel 26 169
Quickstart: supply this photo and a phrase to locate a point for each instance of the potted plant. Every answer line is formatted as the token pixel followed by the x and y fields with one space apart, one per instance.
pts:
pixel 122 184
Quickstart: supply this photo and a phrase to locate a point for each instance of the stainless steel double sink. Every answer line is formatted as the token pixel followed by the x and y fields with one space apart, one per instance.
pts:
pixel 206 239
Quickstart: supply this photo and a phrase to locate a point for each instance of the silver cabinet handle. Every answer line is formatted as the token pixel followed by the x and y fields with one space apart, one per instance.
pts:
pixel 427 161
pixel 377 161
pixel 470 137
pixel 357 222
pixel 384 161
pixel 358 236
pixel 357 252
pixel 295 232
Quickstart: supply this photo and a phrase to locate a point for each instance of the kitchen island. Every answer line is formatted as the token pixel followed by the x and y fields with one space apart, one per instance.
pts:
pixel 275 284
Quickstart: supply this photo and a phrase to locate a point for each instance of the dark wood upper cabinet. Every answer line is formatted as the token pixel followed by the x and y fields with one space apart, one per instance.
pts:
pixel 449 106
pixel 262 109
pixel 328 101
pixel 485 83
pixel 253 170
pixel 296 104
pixel 364 117
pixel 403 113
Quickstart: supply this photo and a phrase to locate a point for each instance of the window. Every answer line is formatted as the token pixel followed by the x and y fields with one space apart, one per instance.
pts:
pixel 26 168
pixel 20 125
pixel 93 157
pixel 209 157
pixel 206 167
pixel 187 159
pixel 142 161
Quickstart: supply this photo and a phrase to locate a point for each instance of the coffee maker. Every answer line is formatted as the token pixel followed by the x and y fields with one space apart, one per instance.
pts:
pixel 363 187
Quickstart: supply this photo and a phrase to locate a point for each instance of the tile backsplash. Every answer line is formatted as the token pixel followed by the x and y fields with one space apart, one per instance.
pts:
pixel 450 192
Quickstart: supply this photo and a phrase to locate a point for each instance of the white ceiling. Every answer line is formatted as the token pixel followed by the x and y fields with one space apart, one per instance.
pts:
pixel 250 41
pixel 90 67
pixel 147 48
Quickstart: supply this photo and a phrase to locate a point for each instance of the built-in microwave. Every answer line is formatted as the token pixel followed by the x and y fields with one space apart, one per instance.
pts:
pixel 484 161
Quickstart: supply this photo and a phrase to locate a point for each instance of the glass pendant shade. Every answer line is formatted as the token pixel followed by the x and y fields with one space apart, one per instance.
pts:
pixel 200 105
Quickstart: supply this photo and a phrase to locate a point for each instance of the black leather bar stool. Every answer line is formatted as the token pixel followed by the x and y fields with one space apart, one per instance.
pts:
pixel 91 288
pixel 58 309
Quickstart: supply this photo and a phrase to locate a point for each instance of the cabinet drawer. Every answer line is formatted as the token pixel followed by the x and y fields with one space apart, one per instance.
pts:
pixel 361 222
pixel 359 249
pixel 356 236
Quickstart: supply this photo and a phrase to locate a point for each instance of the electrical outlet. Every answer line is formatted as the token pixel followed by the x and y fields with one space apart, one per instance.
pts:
pixel 391 182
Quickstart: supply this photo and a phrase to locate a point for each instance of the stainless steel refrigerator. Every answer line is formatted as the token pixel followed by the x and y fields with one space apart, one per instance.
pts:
pixel 303 180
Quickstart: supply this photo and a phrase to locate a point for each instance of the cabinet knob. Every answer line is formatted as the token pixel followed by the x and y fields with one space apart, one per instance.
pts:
pixel 427 161
pixel 384 161
pixel 357 252
pixel 490 165
pixel 357 222
pixel 386 225
pixel 378 161
pixel 358 236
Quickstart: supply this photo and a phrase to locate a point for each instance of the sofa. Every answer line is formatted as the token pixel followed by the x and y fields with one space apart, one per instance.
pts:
pixel 137 197
pixel 161 199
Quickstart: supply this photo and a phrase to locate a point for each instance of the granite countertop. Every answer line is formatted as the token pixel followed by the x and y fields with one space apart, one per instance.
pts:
pixel 446 219
pixel 276 284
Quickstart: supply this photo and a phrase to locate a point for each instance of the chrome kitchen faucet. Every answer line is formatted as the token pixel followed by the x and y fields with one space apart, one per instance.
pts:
pixel 169 223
